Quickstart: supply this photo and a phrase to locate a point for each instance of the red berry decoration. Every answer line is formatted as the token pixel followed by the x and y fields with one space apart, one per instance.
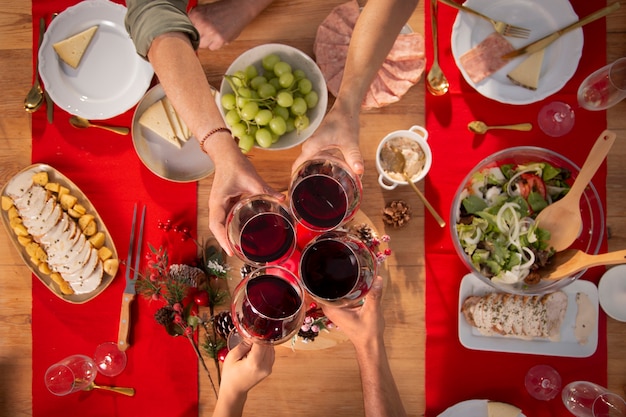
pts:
pixel 221 354
pixel 201 298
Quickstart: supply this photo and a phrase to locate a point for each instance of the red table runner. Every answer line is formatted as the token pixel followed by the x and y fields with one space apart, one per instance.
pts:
pixel 453 372
pixel 162 369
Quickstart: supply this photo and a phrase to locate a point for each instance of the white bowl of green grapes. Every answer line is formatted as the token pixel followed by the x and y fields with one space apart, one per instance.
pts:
pixel 273 96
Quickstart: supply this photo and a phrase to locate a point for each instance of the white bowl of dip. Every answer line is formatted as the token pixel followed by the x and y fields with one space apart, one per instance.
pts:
pixel 417 154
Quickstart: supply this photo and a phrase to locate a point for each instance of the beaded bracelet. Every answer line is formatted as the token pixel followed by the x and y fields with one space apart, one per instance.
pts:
pixel 211 133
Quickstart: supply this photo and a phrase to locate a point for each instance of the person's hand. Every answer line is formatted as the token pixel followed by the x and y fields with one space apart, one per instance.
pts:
pixel 338 131
pixel 245 366
pixel 222 21
pixel 362 324
pixel 234 177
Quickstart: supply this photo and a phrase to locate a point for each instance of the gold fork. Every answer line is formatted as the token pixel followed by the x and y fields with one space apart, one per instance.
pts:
pixel 502 28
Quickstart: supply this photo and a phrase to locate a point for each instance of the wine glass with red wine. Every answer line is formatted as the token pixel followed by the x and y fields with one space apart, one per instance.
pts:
pixel 261 230
pixel 268 305
pixel 324 193
pixel 337 268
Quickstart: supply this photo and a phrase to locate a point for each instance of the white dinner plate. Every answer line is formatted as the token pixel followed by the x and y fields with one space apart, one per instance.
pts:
pixel 469 408
pixel 541 17
pixel 612 292
pixel 567 345
pixel 187 164
pixel 111 77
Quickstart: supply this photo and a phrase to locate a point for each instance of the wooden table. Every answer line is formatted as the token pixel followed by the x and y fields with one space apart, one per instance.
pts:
pixel 303 383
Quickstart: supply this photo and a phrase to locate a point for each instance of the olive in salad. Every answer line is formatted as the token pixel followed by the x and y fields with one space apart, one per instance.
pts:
pixel 496 225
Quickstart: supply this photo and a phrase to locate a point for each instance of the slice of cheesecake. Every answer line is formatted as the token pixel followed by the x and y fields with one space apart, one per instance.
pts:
pixel 72 49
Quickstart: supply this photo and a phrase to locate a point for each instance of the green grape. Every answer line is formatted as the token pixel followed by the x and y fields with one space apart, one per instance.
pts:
pixel 291 125
pixel 251 72
pixel 263 137
pixel 278 125
pixel 254 95
pixel 244 92
pixel 281 67
pixel 263 117
pixel 298 108
pixel 246 142
pixel 301 122
pixel 257 81
pixel 275 137
pixel 305 86
pixel 286 80
pixel 275 82
pixel 281 111
pixel 269 61
pixel 311 99
pixel 299 74
pixel 232 117
pixel 249 110
pixel 266 90
pixel 238 130
pixel 239 78
pixel 228 101
pixel 284 99
pixel 241 101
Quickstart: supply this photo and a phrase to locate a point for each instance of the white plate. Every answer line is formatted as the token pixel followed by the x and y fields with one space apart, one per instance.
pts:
pixel 469 408
pixel 111 77
pixel 541 17
pixel 567 346
pixel 612 292
pixel 161 157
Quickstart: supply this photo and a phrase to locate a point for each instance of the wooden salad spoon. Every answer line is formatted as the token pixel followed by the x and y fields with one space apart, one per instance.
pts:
pixel 568 262
pixel 562 218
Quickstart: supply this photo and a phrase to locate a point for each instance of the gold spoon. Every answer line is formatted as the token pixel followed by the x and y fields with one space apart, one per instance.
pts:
pixel 35 96
pixel 82 123
pixel 480 127
pixel 437 82
pixel 568 262
pixel 397 164
pixel 120 390
pixel 562 218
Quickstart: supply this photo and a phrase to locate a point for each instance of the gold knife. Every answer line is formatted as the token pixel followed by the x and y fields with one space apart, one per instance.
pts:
pixel 547 40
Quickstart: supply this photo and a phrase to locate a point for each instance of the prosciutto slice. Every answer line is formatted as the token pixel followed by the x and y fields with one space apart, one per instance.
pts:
pixel 484 59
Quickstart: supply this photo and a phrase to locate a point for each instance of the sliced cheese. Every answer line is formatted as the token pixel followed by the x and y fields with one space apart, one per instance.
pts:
pixel 72 49
pixel 179 126
pixel 497 409
pixel 526 74
pixel 157 120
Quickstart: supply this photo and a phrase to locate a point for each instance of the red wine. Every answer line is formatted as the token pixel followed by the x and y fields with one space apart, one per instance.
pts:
pixel 269 311
pixel 329 269
pixel 267 237
pixel 320 201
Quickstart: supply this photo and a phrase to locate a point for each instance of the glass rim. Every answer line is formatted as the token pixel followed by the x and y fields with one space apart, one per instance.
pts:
pixel 294 283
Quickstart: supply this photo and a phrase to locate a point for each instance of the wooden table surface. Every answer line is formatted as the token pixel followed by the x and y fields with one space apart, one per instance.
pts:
pixel 303 383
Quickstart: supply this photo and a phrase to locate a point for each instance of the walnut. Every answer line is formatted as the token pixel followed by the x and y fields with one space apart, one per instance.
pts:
pixel 397 213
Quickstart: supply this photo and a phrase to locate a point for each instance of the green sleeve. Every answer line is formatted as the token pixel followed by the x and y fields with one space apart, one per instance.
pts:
pixel 147 19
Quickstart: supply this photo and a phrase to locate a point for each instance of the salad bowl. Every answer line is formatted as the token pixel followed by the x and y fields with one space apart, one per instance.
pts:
pixel 492 218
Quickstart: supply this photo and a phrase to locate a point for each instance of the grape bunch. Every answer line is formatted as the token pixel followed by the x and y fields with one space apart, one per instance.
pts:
pixel 266 104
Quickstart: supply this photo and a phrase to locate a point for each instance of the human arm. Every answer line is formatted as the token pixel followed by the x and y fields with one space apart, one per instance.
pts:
pixel 373 36
pixel 222 21
pixel 244 367
pixel 365 327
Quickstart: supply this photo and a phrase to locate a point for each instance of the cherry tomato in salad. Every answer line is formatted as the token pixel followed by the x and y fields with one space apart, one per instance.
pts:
pixel 528 183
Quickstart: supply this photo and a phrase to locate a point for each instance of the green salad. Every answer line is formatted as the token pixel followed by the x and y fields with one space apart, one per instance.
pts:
pixel 496 225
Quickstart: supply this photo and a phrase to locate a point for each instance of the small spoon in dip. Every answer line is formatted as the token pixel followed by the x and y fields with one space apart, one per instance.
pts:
pixel 82 123
pixel 481 128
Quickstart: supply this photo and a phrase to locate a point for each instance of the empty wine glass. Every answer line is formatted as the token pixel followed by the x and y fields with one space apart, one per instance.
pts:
pixel 579 398
pixel 337 268
pixel 324 193
pixel 556 118
pixel 109 359
pixel 543 382
pixel 72 374
pixel 261 230
pixel 268 305
pixel 609 405
pixel 605 87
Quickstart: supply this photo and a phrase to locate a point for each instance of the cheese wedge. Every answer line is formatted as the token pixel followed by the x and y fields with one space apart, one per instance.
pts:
pixel 526 74
pixel 179 126
pixel 72 49
pixel 156 119
pixel 497 409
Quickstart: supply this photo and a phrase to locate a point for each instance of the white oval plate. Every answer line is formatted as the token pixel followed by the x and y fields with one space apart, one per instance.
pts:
pixel 541 17
pixel 111 77
pixel 612 292
pixel 187 164
pixel 469 408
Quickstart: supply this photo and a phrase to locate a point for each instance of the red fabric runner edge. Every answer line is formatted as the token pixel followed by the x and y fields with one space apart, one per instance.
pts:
pixel 162 369
pixel 454 373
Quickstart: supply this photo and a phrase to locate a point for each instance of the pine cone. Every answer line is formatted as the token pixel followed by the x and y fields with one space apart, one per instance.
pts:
pixel 223 323
pixel 164 315
pixel 309 335
pixel 364 232
pixel 396 213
